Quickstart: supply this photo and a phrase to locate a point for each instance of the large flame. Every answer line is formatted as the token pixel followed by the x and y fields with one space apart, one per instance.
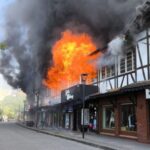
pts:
pixel 71 59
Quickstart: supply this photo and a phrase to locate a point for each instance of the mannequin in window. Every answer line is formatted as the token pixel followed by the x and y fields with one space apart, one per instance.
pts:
pixel 131 121
pixel 112 120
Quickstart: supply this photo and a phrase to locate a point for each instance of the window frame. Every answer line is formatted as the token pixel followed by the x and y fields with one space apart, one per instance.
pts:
pixel 104 70
pixel 104 107
pixel 120 118
pixel 126 62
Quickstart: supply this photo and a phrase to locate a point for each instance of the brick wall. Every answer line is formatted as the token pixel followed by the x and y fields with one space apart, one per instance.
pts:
pixel 142 118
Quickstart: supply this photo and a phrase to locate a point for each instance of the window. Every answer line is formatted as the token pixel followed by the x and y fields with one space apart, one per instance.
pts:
pixel 103 72
pixel 122 65
pixel 127 63
pixel 108 71
pixel 108 117
pixel 128 117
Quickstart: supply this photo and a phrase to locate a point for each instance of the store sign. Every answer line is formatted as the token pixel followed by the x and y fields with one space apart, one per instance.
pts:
pixel 68 95
pixel 76 92
pixel 86 117
pixel 147 93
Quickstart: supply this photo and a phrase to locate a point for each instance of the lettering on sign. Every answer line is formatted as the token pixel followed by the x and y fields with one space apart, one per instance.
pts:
pixel 68 95
pixel 147 93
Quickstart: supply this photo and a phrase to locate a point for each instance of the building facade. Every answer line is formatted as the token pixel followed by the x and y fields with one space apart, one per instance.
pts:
pixel 119 105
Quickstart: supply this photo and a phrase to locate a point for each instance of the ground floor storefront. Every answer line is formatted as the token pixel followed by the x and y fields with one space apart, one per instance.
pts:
pixel 125 115
pixel 121 114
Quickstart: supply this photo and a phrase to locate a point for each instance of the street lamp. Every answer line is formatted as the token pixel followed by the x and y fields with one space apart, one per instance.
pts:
pixel 24 111
pixel 37 106
pixel 83 82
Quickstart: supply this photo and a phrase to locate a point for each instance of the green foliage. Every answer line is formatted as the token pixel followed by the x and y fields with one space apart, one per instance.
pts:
pixel 12 105
pixel 3 46
pixel 1 112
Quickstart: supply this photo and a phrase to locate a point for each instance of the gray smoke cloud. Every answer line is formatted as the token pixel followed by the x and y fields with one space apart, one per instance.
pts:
pixel 32 26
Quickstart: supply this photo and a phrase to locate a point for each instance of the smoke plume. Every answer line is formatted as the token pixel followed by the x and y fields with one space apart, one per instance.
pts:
pixel 32 26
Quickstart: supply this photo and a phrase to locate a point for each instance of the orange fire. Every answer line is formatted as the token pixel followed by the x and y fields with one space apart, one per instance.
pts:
pixel 71 59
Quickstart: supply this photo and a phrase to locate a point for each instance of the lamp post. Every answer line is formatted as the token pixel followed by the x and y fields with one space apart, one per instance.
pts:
pixel 83 82
pixel 37 106
pixel 24 111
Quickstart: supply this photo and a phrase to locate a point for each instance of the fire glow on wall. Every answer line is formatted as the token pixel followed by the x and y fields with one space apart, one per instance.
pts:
pixel 71 59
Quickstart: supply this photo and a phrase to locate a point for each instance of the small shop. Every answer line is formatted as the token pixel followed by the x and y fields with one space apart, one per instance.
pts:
pixel 72 102
pixel 123 113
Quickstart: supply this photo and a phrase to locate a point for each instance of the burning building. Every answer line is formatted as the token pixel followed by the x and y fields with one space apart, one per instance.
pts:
pixel 121 98
pixel 55 44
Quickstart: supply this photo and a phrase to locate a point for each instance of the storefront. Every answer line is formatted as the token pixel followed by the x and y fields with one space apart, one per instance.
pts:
pixel 124 113
pixel 72 103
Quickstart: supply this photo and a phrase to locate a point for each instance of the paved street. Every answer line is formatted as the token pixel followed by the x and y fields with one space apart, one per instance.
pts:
pixel 14 137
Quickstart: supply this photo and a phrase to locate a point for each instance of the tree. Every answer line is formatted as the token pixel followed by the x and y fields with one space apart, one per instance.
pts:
pixel 3 46
pixel 1 112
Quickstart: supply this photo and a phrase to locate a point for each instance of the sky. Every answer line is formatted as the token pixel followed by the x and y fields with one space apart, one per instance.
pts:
pixel 3 6
pixel 5 89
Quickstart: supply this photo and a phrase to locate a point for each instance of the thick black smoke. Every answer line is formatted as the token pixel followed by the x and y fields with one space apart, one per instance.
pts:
pixel 32 26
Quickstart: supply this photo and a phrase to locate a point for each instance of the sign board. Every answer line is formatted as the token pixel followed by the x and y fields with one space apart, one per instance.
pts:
pixel 147 93
pixel 69 95
pixel 86 117
pixel 76 92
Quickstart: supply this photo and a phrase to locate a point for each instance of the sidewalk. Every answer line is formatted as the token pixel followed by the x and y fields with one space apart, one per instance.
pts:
pixel 101 141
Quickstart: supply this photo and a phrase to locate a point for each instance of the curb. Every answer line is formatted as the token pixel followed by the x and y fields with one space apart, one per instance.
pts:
pixel 67 138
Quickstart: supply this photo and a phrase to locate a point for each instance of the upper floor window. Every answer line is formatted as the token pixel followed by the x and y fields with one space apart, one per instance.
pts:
pixel 127 63
pixel 107 72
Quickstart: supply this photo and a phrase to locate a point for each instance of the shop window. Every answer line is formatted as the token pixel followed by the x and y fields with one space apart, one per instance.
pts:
pixel 93 117
pixel 67 120
pixel 128 117
pixel 108 117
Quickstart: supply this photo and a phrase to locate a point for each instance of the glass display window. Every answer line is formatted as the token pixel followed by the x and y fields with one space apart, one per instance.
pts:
pixel 128 117
pixel 108 117
pixel 93 117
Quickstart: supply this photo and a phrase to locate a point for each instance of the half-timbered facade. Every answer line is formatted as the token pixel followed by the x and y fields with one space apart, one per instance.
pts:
pixel 132 67
pixel 123 107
